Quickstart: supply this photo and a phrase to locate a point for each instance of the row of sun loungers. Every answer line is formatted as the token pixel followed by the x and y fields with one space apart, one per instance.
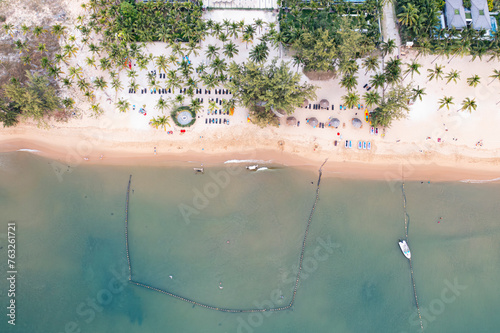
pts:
pixel 217 121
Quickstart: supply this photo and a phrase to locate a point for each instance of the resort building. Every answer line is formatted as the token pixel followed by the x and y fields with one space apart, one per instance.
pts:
pixel 455 14
pixel 480 15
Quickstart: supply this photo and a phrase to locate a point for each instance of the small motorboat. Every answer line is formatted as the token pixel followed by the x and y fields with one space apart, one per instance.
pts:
pixel 199 170
pixel 252 167
pixel 405 249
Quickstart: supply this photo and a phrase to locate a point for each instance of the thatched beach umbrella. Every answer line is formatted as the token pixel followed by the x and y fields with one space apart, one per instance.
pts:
pixel 356 123
pixel 334 122
pixel 306 103
pixel 324 103
pixel 313 122
pixel 291 121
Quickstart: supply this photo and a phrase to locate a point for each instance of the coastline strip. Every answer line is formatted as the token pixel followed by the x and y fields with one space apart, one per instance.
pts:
pixel 211 307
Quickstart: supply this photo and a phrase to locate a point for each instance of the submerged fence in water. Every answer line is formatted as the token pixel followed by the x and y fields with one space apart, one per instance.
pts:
pixel 407 220
pixel 211 307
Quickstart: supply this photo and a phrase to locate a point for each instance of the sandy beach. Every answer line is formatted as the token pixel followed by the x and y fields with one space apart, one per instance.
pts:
pixel 431 144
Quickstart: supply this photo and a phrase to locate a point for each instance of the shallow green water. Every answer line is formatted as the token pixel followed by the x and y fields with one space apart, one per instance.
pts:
pixel 243 231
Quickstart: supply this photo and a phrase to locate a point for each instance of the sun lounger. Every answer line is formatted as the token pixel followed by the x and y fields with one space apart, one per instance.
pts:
pixel 369 145
pixel 360 145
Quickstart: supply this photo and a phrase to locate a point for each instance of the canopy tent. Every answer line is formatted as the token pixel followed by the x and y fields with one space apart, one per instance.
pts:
pixel 291 121
pixel 334 122
pixel 313 122
pixel 356 123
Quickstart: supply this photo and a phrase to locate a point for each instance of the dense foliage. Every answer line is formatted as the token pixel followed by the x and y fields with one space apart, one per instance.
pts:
pixel 152 21
pixel 179 110
pixel 321 31
pixel 270 89
pixel 419 22
pixel 394 106
pixel 35 99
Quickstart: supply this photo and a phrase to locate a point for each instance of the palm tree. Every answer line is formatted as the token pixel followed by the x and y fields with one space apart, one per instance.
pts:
pixel 58 30
pixel 445 101
pixel 212 52
pixel 349 82
pixel 247 38
pixel 94 48
pixel 437 72
pixel 67 82
pixel 259 53
pixel 495 76
pixel 161 62
pixel 25 29
pixel 123 105
pixel 377 81
pixel 453 75
pixel 90 61
pixel 371 98
pixel 74 72
pixel 70 50
pixel 96 108
pixel 45 62
pixel 116 85
pixel 133 85
pixel 54 71
pixel 218 66
pixel 418 93
pixel 230 50
pixel 370 64
pixel 105 64
pixel 195 105
pixel 82 84
pixel 42 47
pixel 351 99
pixel 38 30
pixel 469 104
pixel 259 23
pixel 100 83
pixel 412 68
pixel 409 15
pixel 26 59
pixel 161 121
pixel 161 105
pixel 474 80
pixel 8 29
pixel 387 47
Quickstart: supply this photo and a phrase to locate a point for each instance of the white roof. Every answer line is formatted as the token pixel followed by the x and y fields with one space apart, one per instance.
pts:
pixel 480 15
pixel 455 14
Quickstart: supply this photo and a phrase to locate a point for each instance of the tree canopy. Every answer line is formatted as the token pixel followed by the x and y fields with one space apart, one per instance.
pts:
pixel 272 88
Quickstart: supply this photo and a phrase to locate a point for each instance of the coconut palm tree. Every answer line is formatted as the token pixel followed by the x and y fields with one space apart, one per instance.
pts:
pixel 192 47
pixel 161 62
pixel 90 61
pixel 70 50
pixel 247 38
pixel 104 64
pixel 123 105
pixel 436 73
pixel 8 28
pixel 25 29
pixel 45 62
pixel 161 121
pixel 469 104
pixel 116 85
pixel 58 30
pixel 445 101
pixel 67 82
pixel 100 83
pixel 377 81
pixel 408 15
pixel 212 52
pixel 196 105
pixel 495 76
pixel 259 23
pixel 218 66
pixel 474 80
pixel 371 98
pixel 349 82
pixel 41 47
pixel 453 75
pixel 351 99
pixel 26 59
pixel 412 69
pixel 82 84
pixel 230 50
pixel 259 53
pixel 418 93
pixel 161 105
pixel 38 30
pixel 96 108
pixel 75 72
pixel 223 38
pixel 387 47
pixel 370 64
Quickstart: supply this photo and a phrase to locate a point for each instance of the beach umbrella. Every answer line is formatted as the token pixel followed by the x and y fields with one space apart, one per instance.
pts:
pixel 356 123
pixel 306 103
pixel 324 103
pixel 313 122
pixel 292 121
pixel 334 122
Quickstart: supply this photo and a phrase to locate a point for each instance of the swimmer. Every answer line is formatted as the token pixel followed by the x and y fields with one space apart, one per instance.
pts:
pixel 227 242
pixel 220 285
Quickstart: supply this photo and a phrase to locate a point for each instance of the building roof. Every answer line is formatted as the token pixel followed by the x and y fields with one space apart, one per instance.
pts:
pixel 480 15
pixel 455 14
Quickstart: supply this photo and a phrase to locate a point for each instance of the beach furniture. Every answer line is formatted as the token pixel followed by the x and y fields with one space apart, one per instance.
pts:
pixel 372 130
pixel 376 130
pixel 350 144
pixel 369 145
pixel 360 145
pixel 364 145
pixel 347 143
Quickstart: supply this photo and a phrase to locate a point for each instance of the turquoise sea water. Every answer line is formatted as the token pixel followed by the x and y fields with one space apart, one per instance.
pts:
pixel 243 231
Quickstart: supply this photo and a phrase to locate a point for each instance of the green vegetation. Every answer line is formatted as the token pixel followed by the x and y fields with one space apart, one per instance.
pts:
pixel 269 91
pixel 178 110
pixel 151 21
pixel 326 38
pixel 419 22
pixel 35 98
pixel 393 106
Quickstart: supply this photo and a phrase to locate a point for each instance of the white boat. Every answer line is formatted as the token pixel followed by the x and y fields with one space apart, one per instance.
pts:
pixel 405 248
pixel 252 167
